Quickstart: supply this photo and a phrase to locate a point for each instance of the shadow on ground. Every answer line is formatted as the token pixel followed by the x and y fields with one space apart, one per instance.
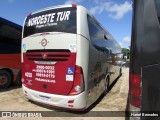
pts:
pixel 126 64
pixel 11 87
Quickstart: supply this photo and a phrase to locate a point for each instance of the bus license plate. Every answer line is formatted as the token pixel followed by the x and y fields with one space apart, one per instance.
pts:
pixel 45 98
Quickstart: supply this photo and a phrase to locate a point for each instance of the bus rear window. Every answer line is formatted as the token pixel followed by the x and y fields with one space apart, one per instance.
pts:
pixel 53 20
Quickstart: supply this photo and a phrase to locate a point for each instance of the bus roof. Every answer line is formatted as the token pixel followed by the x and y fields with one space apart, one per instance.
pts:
pixel 54 7
pixel 2 20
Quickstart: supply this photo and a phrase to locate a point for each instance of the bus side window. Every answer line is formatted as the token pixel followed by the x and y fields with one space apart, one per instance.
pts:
pixel 96 34
pixel 10 39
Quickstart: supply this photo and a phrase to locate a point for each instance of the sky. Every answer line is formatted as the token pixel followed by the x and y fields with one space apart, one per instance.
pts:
pixel 114 15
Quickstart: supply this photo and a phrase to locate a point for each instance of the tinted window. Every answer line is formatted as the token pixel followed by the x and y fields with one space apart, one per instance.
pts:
pixel 54 20
pixel 6 48
pixel 10 38
pixel 96 33
pixel 10 34
pixel 98 39
pixel 158 8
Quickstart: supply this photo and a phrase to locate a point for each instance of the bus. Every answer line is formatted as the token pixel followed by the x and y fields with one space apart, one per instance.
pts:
pixel 144 84
pixel 10 53
pixel 68 58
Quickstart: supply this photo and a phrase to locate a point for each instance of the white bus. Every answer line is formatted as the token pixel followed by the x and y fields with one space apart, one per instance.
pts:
pixel 68 59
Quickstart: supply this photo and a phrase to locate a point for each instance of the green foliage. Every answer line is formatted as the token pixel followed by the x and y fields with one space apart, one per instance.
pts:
pixel 127 51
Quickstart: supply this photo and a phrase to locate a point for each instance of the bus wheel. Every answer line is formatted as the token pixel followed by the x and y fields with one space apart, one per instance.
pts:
pixel 5 79
pixel 106 86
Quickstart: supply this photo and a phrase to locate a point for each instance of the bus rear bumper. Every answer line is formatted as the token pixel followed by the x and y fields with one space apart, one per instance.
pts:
pixel 76 102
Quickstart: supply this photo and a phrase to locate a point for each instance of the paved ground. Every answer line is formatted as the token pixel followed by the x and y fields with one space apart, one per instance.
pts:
pixel 13 99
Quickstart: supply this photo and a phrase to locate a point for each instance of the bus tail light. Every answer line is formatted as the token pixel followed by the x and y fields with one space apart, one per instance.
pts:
pixel 74 5
pixel 78 85
pixel 135 90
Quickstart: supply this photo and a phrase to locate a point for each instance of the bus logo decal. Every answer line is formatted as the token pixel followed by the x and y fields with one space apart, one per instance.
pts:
pixel 44 42
pixel 44 56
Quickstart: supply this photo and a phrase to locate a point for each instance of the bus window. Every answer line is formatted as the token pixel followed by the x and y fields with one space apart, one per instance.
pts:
pixel 54 20
pixel 10 49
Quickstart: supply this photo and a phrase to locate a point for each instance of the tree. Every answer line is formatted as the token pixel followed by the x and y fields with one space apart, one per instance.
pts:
pixel 126 52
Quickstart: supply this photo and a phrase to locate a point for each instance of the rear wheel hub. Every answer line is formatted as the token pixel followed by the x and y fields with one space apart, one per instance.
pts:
pixel 3 80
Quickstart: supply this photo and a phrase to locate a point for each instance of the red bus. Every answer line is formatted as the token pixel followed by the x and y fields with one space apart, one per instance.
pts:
pixel 10 59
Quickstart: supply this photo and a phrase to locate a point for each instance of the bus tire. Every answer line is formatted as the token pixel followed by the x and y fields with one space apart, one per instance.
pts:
pixel 5 79
pixel 106 86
